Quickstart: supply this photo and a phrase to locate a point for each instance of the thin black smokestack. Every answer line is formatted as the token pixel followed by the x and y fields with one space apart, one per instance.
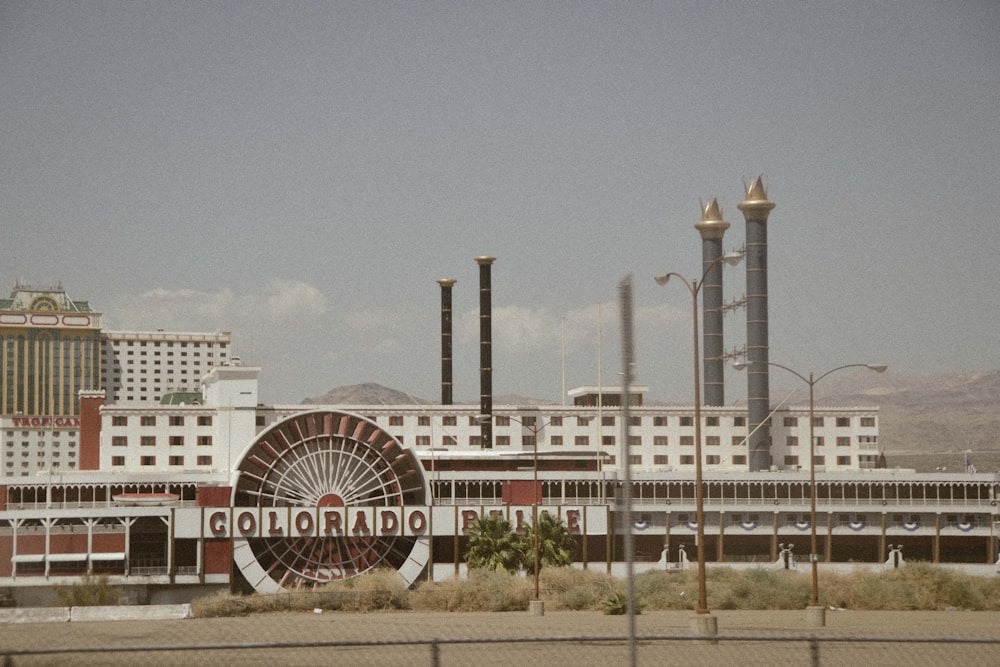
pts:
pixel 712 228
pixel 446 375
pixel 485 351
pixel 756 208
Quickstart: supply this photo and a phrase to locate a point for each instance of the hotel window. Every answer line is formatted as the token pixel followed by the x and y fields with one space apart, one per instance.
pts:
pixel 635 459
pixel 660 441
pixel 583 421
pixel 529 421
pixel 205 420
pixel 687 421
pixel 659 421
pixel 843 422
pixel 502 421
pixel 791 441
pixel 395 420
pixel 204 441
pixel 261 420
pixel 843 441
pixel 738 441
pixel 502 441
pixel 739 421
pixel 449 441
pixel 791 460
pixel 635 441
pixel 820 460
pixel 117 460
pixel 687 460
pixel 868 422
pixel 819 441
pixel 176 460
pixel 119 441
pixel 582 441
pixel 423 420
pixel 711 421
pixel 204 460
pixel 608 440
pixel 147 420
pixel 635 421
pixel 527 442
pixel 177 441
pixel 843 460
pixel 449 420
pixel 739 460
pixel 817 421
pixel 556 441
pixel 660 459
pixel 791 421
pixel 687 441
pixel 119 420
pixel 713 459
pixel 475 440
pixel 423 441
pixel 147 460
pixel 147 441
pixel 608 420
pixel 555 421
pixel 712 441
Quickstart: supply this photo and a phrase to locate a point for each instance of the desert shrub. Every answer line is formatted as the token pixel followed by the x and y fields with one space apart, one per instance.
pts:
pixel 660 590
pixel 569 588
pixel 90 592
pixel 381 590
pixel 222 604
pixel 482 590
pixel 616 604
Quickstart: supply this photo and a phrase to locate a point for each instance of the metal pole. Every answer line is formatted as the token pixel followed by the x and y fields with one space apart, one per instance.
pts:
pixel 813 555
pixel 534 507
pixel 698 495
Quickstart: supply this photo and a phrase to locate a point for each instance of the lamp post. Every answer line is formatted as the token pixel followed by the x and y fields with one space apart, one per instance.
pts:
pixel 818 618
pixel 694 286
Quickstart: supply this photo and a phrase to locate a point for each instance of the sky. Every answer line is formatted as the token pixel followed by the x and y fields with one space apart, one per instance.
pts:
pixel 301 174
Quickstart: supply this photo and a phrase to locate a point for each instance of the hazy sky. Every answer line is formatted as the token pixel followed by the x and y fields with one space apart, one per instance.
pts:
pixel 302 173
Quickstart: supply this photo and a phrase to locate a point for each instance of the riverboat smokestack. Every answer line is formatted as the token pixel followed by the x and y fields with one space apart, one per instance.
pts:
pixel 485 351
pixel 756 208
pixel 712 228
pixel 446 319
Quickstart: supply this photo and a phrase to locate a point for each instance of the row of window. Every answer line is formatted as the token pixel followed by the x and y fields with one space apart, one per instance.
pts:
pixel 150 420
pixel 841 422
pixel 55 455
pixel 609 420
pixel 42 464
pixel 150 440
pixel 41 443
pixel 842 441
pixel 528 441
pixel 119 461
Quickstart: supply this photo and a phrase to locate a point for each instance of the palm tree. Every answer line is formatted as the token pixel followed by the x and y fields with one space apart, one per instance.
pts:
pixel 493 545
pixel 555 544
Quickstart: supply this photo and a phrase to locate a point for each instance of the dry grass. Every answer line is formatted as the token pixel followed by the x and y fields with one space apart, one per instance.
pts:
pixel 916 586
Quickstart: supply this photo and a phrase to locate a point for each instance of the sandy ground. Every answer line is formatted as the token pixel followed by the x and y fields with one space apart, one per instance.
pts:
pixel 745 638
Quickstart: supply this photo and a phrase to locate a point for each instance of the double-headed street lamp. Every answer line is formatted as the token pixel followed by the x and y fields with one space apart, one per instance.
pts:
pixel 811 381
pixel 694 286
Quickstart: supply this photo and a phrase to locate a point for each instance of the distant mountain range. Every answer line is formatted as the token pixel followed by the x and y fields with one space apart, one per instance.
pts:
pixel 926 421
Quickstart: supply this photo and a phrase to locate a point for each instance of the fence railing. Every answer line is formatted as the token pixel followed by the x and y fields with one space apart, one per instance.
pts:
pixel 811 649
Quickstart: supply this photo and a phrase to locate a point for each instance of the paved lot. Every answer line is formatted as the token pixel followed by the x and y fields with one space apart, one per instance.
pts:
pixel 387 633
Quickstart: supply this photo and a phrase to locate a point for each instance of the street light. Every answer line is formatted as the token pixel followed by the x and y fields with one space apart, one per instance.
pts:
pixel 694 286
pixel 537 606
pixel 820 619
